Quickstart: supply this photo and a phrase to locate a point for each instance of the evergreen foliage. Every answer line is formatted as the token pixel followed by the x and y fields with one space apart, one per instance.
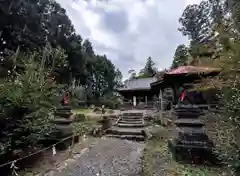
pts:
pixel 214 33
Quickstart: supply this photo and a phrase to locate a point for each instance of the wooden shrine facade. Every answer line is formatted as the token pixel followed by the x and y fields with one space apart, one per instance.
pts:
pixel 138 91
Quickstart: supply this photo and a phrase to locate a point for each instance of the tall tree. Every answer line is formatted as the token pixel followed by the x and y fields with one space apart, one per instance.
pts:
pixel 30 25
pixel 149 68
pixel 196 24
pixel 180 56
pixel 233 6
pixel 195 21
pixel 118 78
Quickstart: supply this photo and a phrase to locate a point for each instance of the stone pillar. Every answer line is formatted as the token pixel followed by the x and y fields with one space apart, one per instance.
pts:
pixel 161 103
pixel 134 101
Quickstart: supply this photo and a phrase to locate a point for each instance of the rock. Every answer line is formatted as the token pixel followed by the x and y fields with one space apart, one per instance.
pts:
pixel 96 109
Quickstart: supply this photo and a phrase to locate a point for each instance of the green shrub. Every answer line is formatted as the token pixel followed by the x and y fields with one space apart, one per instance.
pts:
pixel 74 102
pixel 27 103
pixel 79 117
pixel 112 104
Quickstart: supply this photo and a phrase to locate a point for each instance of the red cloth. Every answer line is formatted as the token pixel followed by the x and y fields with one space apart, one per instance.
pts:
pixel 65 99
pixel 182 96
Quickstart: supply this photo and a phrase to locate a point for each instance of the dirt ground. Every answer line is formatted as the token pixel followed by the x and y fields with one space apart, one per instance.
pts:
pixel 47 162
pixel 157 160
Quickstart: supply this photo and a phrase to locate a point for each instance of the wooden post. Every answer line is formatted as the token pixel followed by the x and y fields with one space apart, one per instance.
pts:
pixel 72 146
pixel 174 88
pixel 170 112
pixel 145 100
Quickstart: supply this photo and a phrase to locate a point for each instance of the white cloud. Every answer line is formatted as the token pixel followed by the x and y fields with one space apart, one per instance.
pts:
pixel 187 2
pixel 128 31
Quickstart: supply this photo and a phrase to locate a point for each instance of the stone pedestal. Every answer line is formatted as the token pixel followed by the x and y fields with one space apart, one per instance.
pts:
pixel 191 143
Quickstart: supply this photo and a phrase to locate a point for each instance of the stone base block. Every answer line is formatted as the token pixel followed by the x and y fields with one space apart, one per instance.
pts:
pixel 63 114
pixel 64 108
pixel 191 153
pixel 189 123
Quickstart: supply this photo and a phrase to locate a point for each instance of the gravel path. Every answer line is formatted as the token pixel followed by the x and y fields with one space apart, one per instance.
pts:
pixel 109 157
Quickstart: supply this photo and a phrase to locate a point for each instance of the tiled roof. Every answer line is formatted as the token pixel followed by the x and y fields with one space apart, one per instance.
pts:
pixel 191 69
pixel 138 84
pixel 185 70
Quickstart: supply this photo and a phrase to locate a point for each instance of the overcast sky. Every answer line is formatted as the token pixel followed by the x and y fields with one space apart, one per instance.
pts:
pixel 128 31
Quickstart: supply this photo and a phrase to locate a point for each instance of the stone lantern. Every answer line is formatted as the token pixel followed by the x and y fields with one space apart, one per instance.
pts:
pixel 63 123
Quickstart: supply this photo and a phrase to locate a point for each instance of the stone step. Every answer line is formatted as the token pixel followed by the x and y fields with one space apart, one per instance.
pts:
pixel 132 122
pixel 130 125
pixel 136 116
pixel 131 118
pixel 125 131
pixel 127 137
pixel 132 114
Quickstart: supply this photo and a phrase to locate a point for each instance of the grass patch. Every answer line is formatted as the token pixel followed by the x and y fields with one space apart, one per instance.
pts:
pixel 157 160
pixel 87 111
pixel 81 111
pixel 83 127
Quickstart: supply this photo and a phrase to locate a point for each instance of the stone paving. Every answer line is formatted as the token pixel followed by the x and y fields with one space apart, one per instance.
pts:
pixel 109 157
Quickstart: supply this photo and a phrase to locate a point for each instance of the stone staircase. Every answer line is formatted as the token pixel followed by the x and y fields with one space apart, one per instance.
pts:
pixel 130 126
